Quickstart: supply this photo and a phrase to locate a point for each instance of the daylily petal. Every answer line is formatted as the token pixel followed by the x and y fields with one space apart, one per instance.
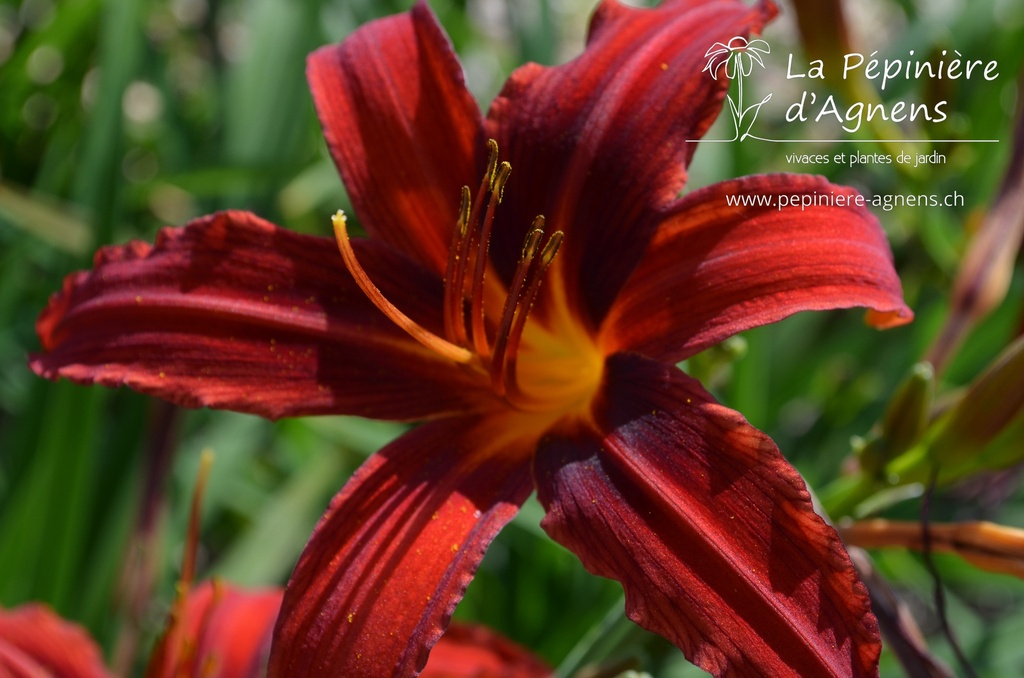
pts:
pixel 382 573
pixel 35 642
pixel 605 137
pixel 402 128
pixel 709 529
pixel 471 651
pixel 714 270
pixel 235 313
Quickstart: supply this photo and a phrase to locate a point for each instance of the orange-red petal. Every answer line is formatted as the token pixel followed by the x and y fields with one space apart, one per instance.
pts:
pixel 709 529
pixel 382 573
pixel 402 128
pixel 714 269
pixel 233 312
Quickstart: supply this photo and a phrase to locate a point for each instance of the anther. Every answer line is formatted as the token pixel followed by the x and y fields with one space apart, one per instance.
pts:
pixel 551 249
pixel 492 162
pixel 498 185
pixel 416 331
pixel 533 238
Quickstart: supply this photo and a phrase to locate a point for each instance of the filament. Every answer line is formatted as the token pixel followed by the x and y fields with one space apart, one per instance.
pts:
pixel 415 330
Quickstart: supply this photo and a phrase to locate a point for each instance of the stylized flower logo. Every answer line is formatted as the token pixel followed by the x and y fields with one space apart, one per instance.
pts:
pixel 737 59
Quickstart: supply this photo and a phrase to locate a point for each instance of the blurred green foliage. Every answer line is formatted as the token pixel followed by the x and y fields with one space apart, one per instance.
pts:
pixel 120 116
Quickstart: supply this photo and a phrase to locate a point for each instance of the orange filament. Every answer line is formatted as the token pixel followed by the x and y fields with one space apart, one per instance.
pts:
pixel 466 339
pixel 415 330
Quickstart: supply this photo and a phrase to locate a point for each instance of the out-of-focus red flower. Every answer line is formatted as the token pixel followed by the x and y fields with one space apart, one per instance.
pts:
pixel 221 631
pixel 36 643
pixel 472 651
pixel 568 388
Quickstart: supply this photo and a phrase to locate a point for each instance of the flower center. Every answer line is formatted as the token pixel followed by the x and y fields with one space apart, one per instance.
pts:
pixel 560 365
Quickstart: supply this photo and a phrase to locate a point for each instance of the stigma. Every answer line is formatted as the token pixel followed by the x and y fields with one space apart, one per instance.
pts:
pixel 486 345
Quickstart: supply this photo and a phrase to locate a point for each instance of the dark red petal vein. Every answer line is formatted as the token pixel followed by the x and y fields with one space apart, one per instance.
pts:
pixel 709 529
pixel 235 313
pixel 713 270
pixel 382 573
pixel 402 128
pixel 598 142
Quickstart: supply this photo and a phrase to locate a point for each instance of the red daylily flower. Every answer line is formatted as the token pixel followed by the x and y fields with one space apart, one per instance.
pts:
pixel 36 643
pixel 568 387
pixel 219 631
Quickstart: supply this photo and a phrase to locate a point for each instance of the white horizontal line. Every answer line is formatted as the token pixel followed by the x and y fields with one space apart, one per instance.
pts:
pixel 849 141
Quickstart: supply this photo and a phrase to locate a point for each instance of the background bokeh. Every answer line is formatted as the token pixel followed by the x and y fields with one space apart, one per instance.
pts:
pixel 118 117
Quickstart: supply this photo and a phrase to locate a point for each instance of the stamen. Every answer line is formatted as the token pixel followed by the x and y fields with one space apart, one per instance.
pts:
pixel 416 331
pixel 478 330
pixel 530 246
pixel 456 281
pixel 512 392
